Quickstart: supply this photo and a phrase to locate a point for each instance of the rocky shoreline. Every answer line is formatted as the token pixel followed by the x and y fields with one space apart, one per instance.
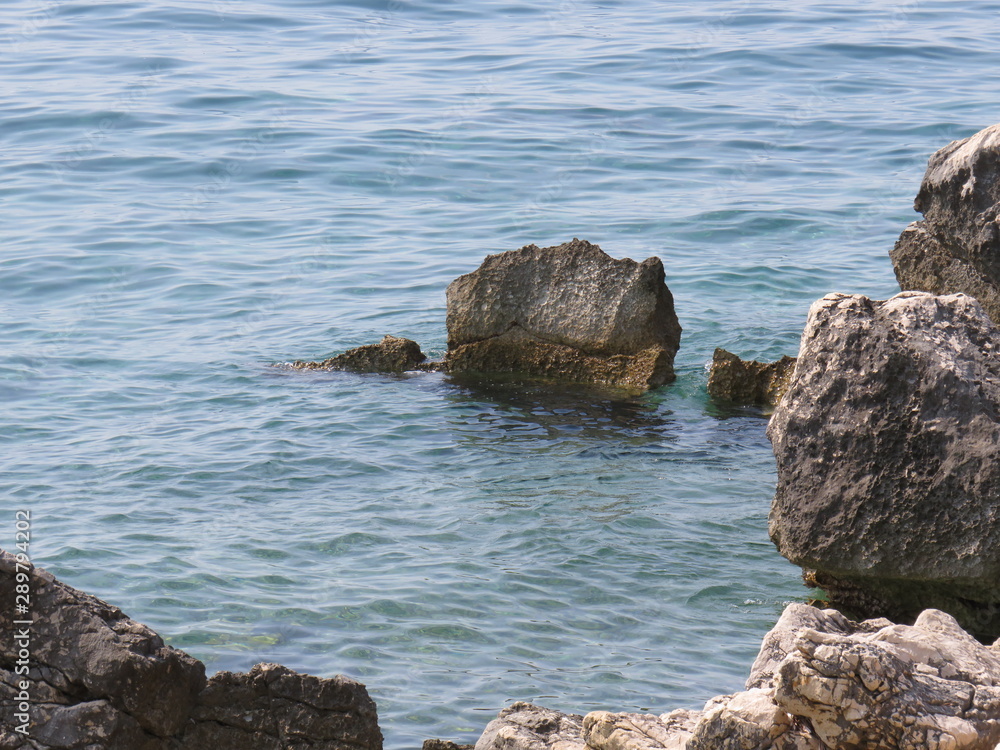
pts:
pixel 886 431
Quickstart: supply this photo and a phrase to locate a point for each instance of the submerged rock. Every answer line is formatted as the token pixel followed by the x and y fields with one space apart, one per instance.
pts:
pixel 97 679
pixel 570 312
pixel 391 354
pixel 820 681
pixel 887 444
pixel 749 382
pixel 956 247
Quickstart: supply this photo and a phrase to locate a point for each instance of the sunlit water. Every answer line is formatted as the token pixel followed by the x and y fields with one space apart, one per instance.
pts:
pixel 193 192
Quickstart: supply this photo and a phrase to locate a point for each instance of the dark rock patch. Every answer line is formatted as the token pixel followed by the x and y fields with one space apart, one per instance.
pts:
pixel 391 354
pixel 98 680
pixel 749 382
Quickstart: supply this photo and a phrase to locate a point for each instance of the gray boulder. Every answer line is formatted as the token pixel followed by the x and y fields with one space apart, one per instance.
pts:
pixel 749 382
pixel 391 354
pixel 956 247
pixel 886 445
pixel 570 312
pixel 99 680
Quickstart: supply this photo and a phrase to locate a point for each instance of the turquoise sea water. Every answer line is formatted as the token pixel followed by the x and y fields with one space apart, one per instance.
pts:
pixel 195 191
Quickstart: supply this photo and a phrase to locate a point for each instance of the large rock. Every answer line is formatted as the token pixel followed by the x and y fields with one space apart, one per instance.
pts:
pixel 749 382
pixel 99 680
pixel 887 444
pixel 570 312
pixel 956 247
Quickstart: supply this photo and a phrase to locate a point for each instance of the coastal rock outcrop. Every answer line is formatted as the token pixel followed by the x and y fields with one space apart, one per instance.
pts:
pixel 886 444
pixel 749 382
pixel 391 354
pixel 956 247
pixel 570 311
pixel 97 679
pixel 820 682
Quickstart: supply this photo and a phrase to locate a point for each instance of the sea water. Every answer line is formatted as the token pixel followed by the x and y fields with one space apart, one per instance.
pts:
pixel 194 192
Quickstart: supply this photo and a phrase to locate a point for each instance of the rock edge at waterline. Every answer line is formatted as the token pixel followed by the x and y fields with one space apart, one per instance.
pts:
pixel 98 679
pixel 819 682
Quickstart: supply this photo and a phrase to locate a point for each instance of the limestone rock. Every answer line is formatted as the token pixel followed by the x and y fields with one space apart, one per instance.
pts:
pixel 926 686
pixel 886 445
pixel 956 247
pixel 626 731
pixel 570 312
pixel 391 354
pixel 98 679
pixel 749 382
pixel 523 726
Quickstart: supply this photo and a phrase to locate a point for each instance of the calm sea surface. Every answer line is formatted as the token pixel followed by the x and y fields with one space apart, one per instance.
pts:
pixel 195 191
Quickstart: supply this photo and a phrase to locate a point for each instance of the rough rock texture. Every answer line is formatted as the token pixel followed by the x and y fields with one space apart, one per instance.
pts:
pixel 391 354
pixel 523 726
pixel 886 445
pixel 749 382
pixel 101 681
pixel 821 682
pixel 956 247
pixel 570 312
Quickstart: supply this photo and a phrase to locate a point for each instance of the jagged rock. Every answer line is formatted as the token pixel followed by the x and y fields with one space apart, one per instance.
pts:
pixel 570 312
pixel 391 354
pixel 927 686
pixel 99 680
pixel 523 726
pixel 956 247
pixel 272 706
pixel 886 445
pixel 626 731
pixel 749 382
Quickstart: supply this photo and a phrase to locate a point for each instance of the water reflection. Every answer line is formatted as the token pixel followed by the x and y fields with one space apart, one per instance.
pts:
pixel 515 407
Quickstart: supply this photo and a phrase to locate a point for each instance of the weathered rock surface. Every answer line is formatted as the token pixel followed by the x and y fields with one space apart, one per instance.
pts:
pixel 886 444
pixel 570 312
pixel 391 354
pixel 749 382
pixel 101 681
pixel 820 682
pixel 956 247
pixel 523 726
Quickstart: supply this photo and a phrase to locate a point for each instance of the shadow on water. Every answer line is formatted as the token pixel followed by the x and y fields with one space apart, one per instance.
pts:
pixel 548 409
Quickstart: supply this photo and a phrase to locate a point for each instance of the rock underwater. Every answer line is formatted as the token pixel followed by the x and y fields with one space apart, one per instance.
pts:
pixel 886 445
pixel 98 680
pixel 570 312
pixel 956 247
pixel 820 682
